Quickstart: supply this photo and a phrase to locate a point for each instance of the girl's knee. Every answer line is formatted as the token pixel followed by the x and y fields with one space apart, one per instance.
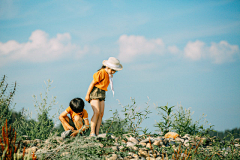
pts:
pixel 101 114
pixel 96 113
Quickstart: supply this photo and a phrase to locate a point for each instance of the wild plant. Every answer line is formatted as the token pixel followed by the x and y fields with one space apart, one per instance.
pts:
pixel 6 98
pixel 9 150
pixel 134 118
pixel 44 126
pixel 183 123
pixel 165 123
pixel 114 125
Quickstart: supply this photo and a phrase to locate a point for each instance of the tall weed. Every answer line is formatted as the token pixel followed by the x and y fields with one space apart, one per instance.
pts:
pixel 114 125
pixel 165 124
pixel 181 121
pixel 6 98
pixel 43 126
pixel 134 118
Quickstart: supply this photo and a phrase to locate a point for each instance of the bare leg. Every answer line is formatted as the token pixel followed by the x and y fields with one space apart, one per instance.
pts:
pixel 78 122
pixel 95 103
pixel 99 121
pixel 63 124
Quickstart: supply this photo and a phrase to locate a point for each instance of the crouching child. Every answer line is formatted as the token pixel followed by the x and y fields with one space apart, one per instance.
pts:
pixel 77 114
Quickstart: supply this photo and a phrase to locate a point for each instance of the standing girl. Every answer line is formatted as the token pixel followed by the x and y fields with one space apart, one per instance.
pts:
pixel 96 91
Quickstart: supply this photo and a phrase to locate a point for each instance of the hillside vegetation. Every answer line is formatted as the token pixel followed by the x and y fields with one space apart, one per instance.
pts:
pixel 26 138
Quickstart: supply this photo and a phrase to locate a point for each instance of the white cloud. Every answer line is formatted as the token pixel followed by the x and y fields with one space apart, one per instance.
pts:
pixel 39 48
pixel 195 50
pixel 218 52
pixel 133 46
pixel 223 52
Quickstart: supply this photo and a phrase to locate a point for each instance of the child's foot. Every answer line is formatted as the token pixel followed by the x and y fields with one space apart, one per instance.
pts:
pixel 65 134
pixel 92 135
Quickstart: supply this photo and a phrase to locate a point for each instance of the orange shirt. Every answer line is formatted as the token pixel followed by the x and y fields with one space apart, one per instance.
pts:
pixel 102 79
pixel 82 114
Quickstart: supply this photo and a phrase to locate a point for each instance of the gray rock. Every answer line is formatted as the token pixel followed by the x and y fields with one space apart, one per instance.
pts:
pixel 113 137
pixel 147 140
pixel 237 145
pixel 130 144
pixel 115 148
pixel 157 143
pixel 132 139
pixel 186 143
pixel 179 140
pixel 237 140
pixel 113 157
pixel 135 156
pixel 142 153
pixel 143 144
pixel 120 147
pixel 116 144
pixel 186 137
pixel 104 135
pixel 148 145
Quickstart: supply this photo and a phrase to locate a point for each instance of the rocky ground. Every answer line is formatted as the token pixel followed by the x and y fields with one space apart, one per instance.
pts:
pixel 129 146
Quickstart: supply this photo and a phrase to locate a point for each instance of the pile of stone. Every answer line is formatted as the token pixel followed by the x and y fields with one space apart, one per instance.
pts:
pixel 135 147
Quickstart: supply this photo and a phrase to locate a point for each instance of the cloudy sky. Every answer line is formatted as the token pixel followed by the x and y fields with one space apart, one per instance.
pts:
pixel 176 53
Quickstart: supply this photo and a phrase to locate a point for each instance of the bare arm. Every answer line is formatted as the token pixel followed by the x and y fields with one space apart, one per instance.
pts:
pixel 64 122
pixel 84 128
pixel 92 84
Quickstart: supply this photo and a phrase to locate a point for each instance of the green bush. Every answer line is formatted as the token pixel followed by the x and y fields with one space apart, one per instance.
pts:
pixel 6 98
pixel 114 125
pixel 134 118
pixel 43 126
pixel 166 123
pixel 181 122
pixel 184 124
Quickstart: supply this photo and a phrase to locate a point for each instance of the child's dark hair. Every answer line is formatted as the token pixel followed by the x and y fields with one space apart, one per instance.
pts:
pixel 102 67
pixel 77 105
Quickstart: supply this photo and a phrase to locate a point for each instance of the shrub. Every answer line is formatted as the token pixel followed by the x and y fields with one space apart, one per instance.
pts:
pixel 6 98
pixel 181 121
pixel 133 118
pixel 114 125
pixel 166 123
pixel 44 126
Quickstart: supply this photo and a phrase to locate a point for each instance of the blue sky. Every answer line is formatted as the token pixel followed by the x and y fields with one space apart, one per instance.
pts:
pixel 178 52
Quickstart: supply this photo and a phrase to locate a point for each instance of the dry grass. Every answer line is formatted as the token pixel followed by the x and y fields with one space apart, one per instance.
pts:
pixel 8 144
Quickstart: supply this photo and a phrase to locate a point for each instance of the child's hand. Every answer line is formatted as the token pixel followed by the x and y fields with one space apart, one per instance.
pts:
pixel 87 98
pixel 74 134
pixel 70 128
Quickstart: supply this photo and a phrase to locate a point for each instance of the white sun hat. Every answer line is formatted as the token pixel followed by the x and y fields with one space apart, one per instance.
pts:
pixel 113 63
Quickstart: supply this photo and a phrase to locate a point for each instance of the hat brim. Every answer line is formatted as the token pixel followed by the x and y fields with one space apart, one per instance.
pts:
pixel 116 68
